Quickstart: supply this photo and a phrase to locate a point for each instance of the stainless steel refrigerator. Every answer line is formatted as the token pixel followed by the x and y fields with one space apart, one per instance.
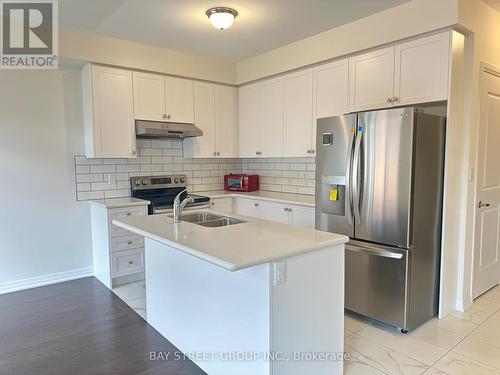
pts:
pixel 379 180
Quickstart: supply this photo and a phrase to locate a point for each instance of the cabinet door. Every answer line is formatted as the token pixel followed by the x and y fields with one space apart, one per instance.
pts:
pixel 275 212
pixel 149 96
pixel 179 100
pixel 249 119
pixel 371 80
pixel 331 89
pixel 224 121
pixel 203 146
pixel 270 127
pixel 303 216
pixel 108 112
pixel 422 70
pixel 224 205
pixel 247 207
pixel 298 113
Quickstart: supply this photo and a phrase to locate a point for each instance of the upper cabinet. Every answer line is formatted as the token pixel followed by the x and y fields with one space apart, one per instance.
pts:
pixel 261 119
pixel 331 89
pixel 108 112
pixel 408 73
pixel 371 78
pixel 298 114
pixel 161 98
pixel 422 70
pixel 214 115
pixel 149 96
pixel 179 99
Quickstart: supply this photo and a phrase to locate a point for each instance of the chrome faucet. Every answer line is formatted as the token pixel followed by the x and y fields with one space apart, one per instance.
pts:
pixel 179 206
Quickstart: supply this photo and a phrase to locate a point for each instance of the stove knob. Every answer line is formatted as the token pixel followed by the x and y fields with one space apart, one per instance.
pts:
pixel 144 182
pixel 137 182
pixel 176 180
pixel 183 180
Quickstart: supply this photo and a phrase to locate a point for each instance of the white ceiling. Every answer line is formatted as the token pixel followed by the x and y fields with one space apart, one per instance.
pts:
pixel 262 25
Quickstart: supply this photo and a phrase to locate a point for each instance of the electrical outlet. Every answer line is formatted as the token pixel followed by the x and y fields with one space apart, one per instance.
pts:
pixel 279 272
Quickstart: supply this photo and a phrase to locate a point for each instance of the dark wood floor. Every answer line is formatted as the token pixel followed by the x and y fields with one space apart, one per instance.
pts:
pixel 79 327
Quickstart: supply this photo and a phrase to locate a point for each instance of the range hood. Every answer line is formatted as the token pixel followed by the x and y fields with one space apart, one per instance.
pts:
pixel 158 129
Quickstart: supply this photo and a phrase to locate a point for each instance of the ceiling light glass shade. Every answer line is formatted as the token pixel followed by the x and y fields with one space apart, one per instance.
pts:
pixel 221 17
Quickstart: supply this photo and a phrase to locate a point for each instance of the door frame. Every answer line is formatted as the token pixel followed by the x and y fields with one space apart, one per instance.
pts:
pixel 484 68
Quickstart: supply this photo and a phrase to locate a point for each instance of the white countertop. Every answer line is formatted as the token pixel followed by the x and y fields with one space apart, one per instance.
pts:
pixel 120 202
pixel 233 247
pixel 286 198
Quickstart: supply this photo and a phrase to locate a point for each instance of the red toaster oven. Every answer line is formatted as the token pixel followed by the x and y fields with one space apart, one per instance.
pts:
pixel 241 182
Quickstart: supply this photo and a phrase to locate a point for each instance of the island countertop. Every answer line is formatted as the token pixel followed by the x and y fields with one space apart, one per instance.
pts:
pixel 232 247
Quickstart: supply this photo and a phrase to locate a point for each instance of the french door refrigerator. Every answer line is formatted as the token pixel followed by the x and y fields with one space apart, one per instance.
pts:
pixel 379 180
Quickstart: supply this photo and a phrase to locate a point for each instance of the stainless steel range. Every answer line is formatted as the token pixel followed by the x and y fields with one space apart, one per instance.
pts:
pixel 161 192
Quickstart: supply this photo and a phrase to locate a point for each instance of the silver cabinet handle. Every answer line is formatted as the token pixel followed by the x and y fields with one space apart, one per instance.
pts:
pixel 164 116
pixel 130 242
pixel 256 204
pixel 130 262
pixel 481 204
pixel 395 99
pixel 134 152
pixel 215 154
pixel 258 152
pixel 389 100
pixel 218 153
pixel 308 151
pixel 129 213
pixel 313 151
pixel 168 117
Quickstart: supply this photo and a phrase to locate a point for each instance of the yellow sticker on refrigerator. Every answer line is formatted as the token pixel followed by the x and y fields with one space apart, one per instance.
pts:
pixel 333 194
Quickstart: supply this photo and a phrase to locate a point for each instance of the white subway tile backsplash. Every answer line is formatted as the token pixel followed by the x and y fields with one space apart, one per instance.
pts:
pixel 110 178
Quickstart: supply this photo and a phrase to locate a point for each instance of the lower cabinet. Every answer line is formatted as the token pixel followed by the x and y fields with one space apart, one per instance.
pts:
pixel 223 205
pixel 117 253
pixel 282 213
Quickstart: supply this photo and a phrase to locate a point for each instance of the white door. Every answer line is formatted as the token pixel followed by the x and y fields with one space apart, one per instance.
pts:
pixel 249 119
pixel 270 136
pixel 371 80
pixel 247 207
pixel 486 256
pixel 204 146
pixel 303 216
pixel 179 100
pixel 422 70
pixel 149 96
pixel 113 113
pixel 331 89
pixel 298 117
pixel 224 121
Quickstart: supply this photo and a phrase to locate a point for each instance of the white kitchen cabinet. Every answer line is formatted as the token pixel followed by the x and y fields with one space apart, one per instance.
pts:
pixel 108 112
pixel 261 119
pixel 224 205
pixel 247 207
pixel 149 96
pixel 303 216
pixel 298 114
pixel 331 89
pixel 116 251
pixel 421 70
pixel 214 115
pixel 179 96
pixel 371 80
pixel 275 212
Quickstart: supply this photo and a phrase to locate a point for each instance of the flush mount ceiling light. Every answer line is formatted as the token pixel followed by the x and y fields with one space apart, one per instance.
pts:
pixel 221 17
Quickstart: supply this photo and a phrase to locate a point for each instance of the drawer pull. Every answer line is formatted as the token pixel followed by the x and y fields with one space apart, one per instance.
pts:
pixel 130 262
pixel 129 213
pixel 130 242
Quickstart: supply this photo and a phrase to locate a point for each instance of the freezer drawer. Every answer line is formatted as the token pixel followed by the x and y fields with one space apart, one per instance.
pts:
pixel 376 281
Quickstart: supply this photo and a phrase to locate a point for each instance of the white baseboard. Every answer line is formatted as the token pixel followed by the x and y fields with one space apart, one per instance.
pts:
pixel 52 278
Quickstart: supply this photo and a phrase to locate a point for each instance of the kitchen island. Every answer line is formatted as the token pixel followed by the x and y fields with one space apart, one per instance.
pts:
pixel 255 297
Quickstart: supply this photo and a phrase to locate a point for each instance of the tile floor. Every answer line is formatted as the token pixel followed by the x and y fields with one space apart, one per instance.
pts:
pixel 134 295
pixel 465 343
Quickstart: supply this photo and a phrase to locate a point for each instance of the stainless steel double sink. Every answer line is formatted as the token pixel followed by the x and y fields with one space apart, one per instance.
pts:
pixel 208 219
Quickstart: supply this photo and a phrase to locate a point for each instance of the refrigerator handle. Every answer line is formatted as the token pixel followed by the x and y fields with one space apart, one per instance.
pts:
pixel 348 183
pixel 355 177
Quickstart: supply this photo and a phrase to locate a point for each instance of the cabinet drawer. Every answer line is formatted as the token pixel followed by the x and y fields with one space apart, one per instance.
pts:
pixel 127 262
pixel 121 213
pixel 126 243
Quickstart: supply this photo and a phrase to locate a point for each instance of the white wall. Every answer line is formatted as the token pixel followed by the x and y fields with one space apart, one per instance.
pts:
pixel 483 44
pixel 43 230
pixel 404 21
